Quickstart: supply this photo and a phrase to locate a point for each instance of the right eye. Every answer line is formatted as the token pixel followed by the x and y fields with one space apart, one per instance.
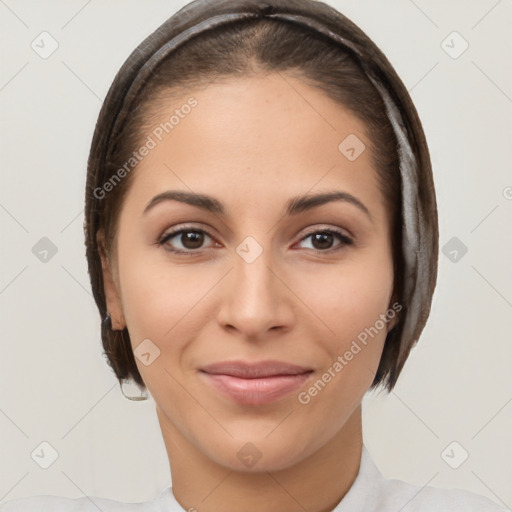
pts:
pixel 191 240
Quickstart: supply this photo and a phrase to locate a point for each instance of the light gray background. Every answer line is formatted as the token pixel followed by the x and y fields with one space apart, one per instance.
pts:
pixel 56 386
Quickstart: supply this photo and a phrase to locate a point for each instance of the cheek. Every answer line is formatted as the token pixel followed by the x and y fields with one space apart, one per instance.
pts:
pixel 156 295
pixel 164 302
pixel 352 297
pixel 351 306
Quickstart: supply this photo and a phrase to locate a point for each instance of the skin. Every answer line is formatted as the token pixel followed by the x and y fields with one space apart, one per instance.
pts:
pixel 253 143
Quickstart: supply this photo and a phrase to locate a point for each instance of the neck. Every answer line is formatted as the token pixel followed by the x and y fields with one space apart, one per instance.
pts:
pixel 317 483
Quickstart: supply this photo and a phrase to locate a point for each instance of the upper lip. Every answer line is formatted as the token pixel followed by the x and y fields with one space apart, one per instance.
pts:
pixel 254 370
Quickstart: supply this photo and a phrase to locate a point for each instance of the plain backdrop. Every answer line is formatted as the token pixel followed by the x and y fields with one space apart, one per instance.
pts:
pixel 454 396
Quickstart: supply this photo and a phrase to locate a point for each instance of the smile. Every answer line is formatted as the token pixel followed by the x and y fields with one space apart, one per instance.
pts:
pixel 255 384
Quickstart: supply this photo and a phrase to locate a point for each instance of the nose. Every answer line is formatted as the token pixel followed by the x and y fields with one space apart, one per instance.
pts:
pixel 257 296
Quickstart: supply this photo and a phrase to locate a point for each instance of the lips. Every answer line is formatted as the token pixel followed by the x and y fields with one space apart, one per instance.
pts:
pixel 255 383
pixel 254 370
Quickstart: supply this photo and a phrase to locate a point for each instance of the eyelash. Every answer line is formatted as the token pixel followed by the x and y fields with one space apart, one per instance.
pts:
pixel 346 241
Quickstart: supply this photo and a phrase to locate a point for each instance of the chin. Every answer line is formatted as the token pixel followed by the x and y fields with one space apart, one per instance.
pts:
pixel 258 453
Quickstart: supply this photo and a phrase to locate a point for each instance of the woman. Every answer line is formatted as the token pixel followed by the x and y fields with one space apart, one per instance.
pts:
pixel 262 239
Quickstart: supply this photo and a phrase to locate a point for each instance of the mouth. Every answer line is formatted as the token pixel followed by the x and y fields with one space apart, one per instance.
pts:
pixel 255 383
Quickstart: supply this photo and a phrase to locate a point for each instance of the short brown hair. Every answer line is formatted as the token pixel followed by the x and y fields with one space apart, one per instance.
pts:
pixel 239 48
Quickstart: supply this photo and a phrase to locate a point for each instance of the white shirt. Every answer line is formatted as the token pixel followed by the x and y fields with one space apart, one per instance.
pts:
pixel 370 492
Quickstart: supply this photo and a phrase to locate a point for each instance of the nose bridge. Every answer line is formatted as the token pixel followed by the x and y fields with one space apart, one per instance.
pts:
pixel 252 267
pixel 256 300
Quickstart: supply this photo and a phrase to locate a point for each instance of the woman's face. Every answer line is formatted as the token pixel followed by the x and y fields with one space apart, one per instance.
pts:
pixel 255 282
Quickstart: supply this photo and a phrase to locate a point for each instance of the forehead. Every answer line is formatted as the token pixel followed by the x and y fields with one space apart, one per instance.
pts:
pixel 255 137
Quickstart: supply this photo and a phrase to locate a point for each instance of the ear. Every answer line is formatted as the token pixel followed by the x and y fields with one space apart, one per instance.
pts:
pixel 393 321
pixel 114 306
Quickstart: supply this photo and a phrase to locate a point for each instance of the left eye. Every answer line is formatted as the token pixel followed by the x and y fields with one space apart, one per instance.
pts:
pixel 322 240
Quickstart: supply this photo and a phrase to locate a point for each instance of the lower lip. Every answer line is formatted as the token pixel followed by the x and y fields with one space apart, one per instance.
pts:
pixel 256 391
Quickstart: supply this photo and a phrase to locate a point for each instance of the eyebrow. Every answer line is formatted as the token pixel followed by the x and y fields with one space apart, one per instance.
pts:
pixel 294 206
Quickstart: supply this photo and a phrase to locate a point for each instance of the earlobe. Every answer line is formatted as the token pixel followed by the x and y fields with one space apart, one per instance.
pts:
pixel 394 309
pixel 114 306
pixel 392 322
